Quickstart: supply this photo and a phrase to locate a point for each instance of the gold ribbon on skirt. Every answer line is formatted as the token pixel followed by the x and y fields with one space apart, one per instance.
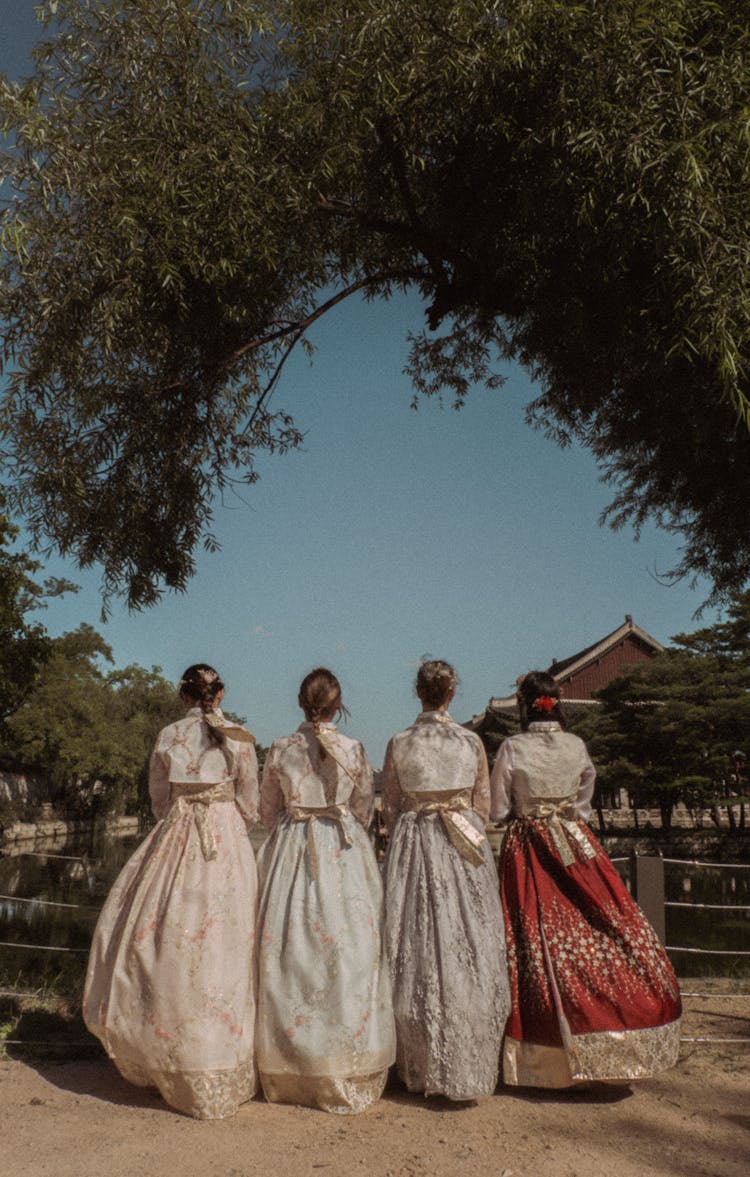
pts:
pixel 467 840
pixel 309 813
pixel 187 798
pixel 562 827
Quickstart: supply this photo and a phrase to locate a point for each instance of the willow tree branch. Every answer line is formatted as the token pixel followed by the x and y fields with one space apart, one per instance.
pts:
pixel 294 330
pixel 435 250
pixel 298 326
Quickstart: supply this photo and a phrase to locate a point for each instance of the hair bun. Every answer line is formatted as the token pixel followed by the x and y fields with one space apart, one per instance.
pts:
pixel 436 682
pixel 202 684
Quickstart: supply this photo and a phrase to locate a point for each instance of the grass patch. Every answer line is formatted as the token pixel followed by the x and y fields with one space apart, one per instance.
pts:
pixel 43 1025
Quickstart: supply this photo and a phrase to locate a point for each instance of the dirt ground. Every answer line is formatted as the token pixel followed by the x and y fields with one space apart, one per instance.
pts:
pixel 79 1119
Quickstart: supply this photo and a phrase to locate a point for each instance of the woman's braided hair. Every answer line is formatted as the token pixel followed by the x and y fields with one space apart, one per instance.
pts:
pixel 201 685
pixel 320 699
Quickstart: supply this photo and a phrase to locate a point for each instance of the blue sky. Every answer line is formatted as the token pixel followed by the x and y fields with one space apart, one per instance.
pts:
pixel 390 535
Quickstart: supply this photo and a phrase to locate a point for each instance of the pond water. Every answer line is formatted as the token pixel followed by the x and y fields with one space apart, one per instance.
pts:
pixel 50 899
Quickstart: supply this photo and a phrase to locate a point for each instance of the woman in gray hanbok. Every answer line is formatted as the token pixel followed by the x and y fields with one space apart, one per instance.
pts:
pixel 325 1035
pixel 444 923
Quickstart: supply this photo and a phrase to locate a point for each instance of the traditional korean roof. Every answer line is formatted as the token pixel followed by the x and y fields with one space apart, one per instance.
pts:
pixel 572 666
pixel 578 662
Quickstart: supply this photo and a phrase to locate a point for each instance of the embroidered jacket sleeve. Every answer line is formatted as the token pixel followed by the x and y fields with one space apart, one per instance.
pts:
pixel 158 782
pixel 271 793
pixel 362 796
pixel 585 788
pixel 480 797
pixel 501 782
pixel 392 793
pixel 246 792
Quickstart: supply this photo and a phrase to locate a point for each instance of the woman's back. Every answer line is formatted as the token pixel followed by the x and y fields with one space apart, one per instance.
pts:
pixel 170 988
pixel 546 762
pixel 435 753
pixel 191 754
pixel 444 925
pixel 325 1024
pixel 316 767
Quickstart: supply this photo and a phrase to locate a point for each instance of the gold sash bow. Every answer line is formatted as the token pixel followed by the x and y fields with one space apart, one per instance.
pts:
pixel 187 798
pixel 562 828
pixel 468 841
pixel 308 813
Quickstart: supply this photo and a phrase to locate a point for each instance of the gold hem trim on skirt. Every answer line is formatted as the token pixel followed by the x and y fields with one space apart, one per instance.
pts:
pixel 604 1056
pixel 204 1095
pixel 343 1096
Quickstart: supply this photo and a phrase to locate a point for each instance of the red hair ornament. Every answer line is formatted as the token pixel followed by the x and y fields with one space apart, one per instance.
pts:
pixel 544 703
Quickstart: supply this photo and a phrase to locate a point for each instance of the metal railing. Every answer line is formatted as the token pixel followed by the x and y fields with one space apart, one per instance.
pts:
pixel 647 885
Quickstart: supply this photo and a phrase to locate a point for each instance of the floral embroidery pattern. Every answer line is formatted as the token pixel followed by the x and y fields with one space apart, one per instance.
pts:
pixel 444 926
pixel 325 1024
pixel 585 965
pixel 169 988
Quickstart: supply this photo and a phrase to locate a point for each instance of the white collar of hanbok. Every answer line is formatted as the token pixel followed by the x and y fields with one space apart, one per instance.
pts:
pixel 434 717
pixel 544 725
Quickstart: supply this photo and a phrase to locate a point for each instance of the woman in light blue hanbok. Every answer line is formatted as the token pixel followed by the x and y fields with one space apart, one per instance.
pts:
pixel 325 1034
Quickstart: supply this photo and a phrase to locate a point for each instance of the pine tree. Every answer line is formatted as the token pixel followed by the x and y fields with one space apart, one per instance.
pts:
pixel 671 729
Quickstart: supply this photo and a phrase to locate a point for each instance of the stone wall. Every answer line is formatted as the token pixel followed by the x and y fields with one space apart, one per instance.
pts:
pixel 682 818
pixel 23 834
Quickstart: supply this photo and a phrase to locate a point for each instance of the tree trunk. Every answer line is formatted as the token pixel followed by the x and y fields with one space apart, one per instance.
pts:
pixel 666 807
pixel 600 816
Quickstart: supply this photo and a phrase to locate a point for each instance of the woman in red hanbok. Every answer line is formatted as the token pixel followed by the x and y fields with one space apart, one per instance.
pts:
pixel 593 994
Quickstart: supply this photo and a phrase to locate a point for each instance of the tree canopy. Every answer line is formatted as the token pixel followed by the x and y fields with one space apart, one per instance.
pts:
pixel 24 643
pixel 190 184
pixel 84 724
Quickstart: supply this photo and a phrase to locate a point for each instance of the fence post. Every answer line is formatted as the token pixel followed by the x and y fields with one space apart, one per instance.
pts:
pixel 647 881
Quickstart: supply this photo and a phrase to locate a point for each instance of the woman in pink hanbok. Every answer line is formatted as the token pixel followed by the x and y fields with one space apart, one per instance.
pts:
pixel 594 996
pixel 170 987
pixel 325 1034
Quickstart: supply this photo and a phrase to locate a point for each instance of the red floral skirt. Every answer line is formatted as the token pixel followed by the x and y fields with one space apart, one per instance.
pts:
pixel 594 996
